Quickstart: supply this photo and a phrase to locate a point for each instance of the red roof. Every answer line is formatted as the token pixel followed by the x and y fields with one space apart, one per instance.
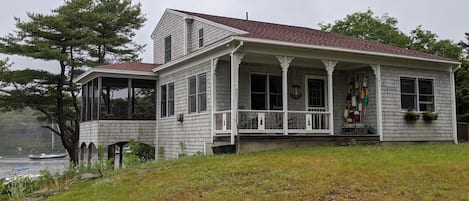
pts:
pixel 131 66
pixel 303 35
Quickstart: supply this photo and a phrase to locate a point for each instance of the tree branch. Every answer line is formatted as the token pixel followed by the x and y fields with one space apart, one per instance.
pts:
pixel 53 130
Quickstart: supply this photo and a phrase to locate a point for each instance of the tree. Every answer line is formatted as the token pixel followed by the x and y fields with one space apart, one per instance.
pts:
pixel 384 30
pixel 462 83
pixel 76 34
pixel 365 26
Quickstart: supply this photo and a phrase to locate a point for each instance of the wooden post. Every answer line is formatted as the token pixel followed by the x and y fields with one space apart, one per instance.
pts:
pixel 330 65
pixel 235 61
pixel 285 64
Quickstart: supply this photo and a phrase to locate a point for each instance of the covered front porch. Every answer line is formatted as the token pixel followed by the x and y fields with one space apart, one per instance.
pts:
pixel 258 94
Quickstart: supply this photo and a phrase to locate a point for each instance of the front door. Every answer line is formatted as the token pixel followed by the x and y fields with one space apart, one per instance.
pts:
pixel 316 94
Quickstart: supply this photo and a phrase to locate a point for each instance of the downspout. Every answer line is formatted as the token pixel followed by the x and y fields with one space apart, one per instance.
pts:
pixel 453 102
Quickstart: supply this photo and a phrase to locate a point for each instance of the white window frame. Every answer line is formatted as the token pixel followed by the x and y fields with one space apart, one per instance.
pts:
pixel 201 40
pixel 267 89
pixel 326 95
pixel 167 100
pixel 167 49
pixel 197 94
pixel 417 93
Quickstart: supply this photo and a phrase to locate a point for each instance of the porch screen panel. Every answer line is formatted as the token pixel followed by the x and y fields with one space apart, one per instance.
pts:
pixel 143 99
pixel 114 98
pixel 258 92
pixel 316 93
pixel 275 92
pixel 95 99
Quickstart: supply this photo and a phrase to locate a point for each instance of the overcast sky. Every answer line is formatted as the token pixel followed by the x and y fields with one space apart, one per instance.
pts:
pixel 448 19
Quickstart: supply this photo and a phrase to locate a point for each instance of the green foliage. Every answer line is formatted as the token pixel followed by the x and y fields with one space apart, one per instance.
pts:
pixel 183 150
pixel 430 116
pixel 161 152
pixel 76 34
pixel 313 173
pixel 462 83
pixel 411 115
pixel 384 30
pixel 143 152
pixel 364 25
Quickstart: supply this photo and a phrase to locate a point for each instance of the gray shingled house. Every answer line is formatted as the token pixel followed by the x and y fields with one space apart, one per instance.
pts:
pixel 219 80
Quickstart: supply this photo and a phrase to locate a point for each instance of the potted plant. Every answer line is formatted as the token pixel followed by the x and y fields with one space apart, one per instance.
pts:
pixel 430 116
pixel 411 115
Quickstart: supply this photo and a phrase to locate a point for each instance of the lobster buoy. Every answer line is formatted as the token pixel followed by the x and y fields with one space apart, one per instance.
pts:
pixel 366 100
pixel 362 94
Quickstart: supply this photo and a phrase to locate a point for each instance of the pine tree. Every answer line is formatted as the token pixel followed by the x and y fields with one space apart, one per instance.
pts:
pixel 77 34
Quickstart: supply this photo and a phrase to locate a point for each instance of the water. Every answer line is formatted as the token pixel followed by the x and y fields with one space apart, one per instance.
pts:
pixel 8 164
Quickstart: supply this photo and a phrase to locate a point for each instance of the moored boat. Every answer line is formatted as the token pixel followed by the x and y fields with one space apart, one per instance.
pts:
pixel 46 156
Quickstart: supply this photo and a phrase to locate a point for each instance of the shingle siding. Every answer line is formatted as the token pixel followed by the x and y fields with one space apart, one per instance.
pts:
pixel 113 131
pixel 212 34
pixel 194 131
pixel 395 128
pixel 170 24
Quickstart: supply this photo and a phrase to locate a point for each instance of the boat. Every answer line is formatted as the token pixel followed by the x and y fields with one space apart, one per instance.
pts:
pixel 46 156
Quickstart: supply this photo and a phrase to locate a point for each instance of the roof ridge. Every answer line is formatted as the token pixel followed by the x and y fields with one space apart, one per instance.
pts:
pixel 308 35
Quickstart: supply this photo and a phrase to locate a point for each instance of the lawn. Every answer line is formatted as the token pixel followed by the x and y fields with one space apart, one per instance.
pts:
pixel 412 172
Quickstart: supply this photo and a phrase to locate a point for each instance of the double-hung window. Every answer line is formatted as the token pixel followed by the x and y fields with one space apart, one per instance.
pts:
pixel 197 94
pixel 417 94
pixel 201 37
pixel 167 100
pixel 266 92
pixel 167 49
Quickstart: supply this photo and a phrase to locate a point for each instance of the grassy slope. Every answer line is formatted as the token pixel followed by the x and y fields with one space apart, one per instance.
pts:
pixel 418 172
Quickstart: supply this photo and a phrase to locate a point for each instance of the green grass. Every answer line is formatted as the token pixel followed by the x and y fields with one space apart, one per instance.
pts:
pixel 414 172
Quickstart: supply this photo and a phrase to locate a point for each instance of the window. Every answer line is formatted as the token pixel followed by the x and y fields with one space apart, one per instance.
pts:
pixel 201 37
pixel 417 92
pixel 316 93
pixel 266 92
pixel 167 49
pixel 197 94
pixel 143 99
pixel 167 100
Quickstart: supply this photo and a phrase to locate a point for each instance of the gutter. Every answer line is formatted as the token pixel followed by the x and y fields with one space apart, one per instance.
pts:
pixel 291 44
pixel 113 71
pixel 195 54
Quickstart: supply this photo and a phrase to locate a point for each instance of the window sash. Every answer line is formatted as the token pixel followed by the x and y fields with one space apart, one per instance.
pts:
pixel 170 99
pixel 201 37
pixel 267 97
pixel 197 93
pixel 164 100
pixel 421 101
pixel 167 49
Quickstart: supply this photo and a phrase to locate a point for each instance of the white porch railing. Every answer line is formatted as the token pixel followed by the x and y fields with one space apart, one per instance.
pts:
pixel 260 121
pixel 222 122
pixel 271 121
pixel 308 121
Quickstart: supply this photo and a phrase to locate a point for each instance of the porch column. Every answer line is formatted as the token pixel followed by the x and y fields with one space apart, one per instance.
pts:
pixel 285 64
pixel 379 112
pixel 235 61
pixel 213 82
pixel 330 65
